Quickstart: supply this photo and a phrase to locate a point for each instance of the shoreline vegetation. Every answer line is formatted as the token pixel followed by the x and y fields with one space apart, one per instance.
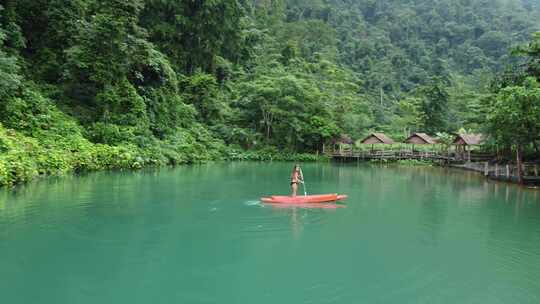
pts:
pixel 26 158
pixel 93 85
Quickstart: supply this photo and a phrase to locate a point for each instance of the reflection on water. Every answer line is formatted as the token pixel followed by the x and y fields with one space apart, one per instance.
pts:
pixel 199 235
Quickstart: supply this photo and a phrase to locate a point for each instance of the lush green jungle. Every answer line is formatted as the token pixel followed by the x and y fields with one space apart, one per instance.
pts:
pixel 107 84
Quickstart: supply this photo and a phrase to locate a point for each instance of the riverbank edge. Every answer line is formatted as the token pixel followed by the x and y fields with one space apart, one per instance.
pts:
pixel 20 172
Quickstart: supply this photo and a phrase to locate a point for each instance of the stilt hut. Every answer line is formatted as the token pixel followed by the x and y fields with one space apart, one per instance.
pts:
pixel 464 143
pixel 420 139
pixel 344 144
pixel 338 144
pixel 377 138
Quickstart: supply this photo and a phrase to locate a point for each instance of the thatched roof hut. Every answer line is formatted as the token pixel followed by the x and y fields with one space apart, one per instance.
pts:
pixel 378 138
pixel 469 139
pixel 337 144
pixel 343 139
pixel 420 139
pixel 464 143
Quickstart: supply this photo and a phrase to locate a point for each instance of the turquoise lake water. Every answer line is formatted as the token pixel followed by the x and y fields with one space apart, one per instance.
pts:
pixel 199 235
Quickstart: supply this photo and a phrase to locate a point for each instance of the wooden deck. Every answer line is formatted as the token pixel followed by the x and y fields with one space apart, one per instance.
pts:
pixel 389 155
pixel 478 162
pixel 507 173
pixel 362 155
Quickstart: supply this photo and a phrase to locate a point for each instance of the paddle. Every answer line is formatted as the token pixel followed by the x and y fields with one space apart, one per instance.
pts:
pixel 303 182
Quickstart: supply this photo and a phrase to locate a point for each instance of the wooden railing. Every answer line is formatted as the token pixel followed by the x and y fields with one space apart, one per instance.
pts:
pixel 503 170
pixel 388 154
pixel 478 162
pixel 358 153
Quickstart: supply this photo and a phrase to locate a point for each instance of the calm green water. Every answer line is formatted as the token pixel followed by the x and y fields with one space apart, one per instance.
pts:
pixel 198 235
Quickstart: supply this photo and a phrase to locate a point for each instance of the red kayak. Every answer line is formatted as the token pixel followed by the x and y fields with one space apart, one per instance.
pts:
pixel 309 199
pixel 307 206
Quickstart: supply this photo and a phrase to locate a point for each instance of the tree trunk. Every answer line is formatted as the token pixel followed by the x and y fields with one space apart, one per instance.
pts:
pixel 536 147
pixel 267 132
pixel 267 120
pixel 301 15
pixel 519 165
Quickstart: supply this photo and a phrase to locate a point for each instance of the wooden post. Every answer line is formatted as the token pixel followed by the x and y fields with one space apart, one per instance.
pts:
pixel 519 165
pixel 508 171
pixel 496 170
pixel 486 168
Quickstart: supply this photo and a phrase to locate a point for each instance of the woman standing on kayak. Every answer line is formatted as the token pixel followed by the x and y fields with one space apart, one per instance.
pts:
pixel 296 177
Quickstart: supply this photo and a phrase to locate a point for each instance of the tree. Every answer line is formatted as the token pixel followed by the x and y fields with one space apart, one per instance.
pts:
pixel 433 107
pixel 104 48
pixel 408 117
pixel 10 79
pixel 532 52
pixel 202 91
pixel 193 33
pixel 514 117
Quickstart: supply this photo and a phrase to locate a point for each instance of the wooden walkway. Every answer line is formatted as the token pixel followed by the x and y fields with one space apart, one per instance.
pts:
pixel 478 162
pixel 360 155
pixel 507 173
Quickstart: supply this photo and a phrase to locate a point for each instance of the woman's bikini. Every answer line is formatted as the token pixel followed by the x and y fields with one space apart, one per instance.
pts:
pixel 294 178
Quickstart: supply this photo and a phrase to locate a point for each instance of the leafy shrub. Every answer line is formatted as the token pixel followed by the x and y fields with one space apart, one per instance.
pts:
pixel 106 133
pixel 271 154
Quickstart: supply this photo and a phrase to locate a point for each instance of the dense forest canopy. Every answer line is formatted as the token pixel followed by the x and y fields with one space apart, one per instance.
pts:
pixel 125 83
